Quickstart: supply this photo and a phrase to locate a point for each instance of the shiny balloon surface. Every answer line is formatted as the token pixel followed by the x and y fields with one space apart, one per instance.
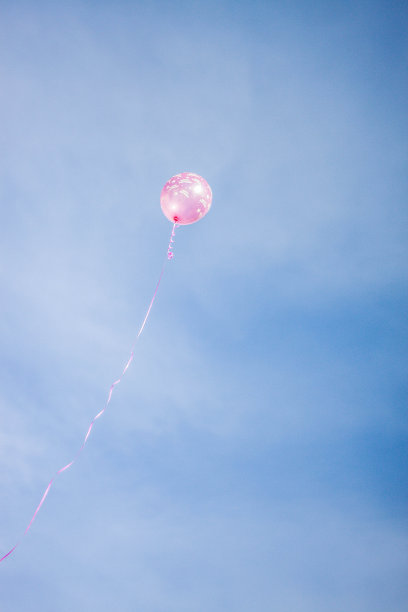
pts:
pixel 186 198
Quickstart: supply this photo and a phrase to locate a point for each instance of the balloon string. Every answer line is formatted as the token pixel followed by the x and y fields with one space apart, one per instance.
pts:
pixel 170 255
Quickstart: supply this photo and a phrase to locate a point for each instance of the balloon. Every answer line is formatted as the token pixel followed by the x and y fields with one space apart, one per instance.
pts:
pixel 186 198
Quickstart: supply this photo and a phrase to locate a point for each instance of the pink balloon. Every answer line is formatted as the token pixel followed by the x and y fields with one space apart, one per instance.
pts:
pixel 186 198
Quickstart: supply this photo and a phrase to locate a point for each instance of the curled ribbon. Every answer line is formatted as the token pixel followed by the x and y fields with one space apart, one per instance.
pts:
pixel 170 253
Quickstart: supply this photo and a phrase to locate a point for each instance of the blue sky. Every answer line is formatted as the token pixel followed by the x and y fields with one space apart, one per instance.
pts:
pixel 255 455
